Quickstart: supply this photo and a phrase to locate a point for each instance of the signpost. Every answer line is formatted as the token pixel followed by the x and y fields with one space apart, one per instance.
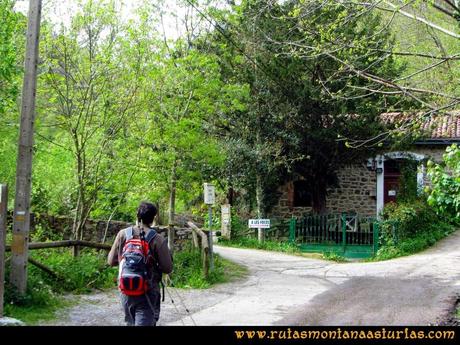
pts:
pixel 209 199
pixel 259 223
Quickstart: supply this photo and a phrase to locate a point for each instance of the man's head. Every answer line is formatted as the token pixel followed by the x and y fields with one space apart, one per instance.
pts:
pixel 146 212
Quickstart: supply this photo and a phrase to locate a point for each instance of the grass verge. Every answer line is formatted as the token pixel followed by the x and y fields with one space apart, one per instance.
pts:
pixel 188 271
pixel 44 295
pixel 284 247
pixel 253 243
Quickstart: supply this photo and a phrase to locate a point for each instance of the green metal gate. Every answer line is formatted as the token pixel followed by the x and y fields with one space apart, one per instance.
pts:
pixel 348 235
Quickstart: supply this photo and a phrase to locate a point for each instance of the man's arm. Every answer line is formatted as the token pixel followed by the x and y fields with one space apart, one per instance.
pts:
pixel 112 258
pixel 164 258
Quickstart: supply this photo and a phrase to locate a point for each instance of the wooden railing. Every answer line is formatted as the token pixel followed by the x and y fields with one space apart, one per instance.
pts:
pixel 67 243
pixel 200 241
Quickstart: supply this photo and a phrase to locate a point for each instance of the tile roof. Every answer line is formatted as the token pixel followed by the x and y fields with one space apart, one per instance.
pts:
pixel 435 126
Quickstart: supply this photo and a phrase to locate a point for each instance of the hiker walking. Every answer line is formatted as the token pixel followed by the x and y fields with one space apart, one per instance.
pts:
pixel 143 256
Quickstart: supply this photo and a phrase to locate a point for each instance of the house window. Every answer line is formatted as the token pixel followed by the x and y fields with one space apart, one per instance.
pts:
pixel 302 194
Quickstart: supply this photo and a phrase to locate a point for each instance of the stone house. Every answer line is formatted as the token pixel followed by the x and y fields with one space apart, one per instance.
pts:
pixel 365 187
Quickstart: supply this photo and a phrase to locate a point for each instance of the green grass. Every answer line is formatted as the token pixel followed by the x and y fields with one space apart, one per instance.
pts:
pixel 34 311
pixel 246 242
pixel 188 271
pixel 277 246
pixel 334 257
pixel 44 295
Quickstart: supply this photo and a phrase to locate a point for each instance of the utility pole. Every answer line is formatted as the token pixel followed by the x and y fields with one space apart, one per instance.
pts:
pixel 3 214
pixel 21 216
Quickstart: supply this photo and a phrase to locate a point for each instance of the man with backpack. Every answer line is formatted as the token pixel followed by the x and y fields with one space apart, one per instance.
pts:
pixel 143 256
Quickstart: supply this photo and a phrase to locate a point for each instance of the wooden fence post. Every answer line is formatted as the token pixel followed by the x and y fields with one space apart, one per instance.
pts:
pixel 195 242
pixel 204 247
pixel 171 234
pixel 3 215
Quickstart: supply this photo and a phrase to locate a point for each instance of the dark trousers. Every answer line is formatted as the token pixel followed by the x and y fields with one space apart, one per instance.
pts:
pixel 142 310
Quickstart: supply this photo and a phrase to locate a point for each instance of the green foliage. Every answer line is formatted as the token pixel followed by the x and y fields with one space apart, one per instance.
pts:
pixel 302 92
pixel 79 275
pixel 444 192
pixel 405 220
pixel 9 69
pixel 422 240
pixel 408 182
pixel 334 257
pixel 44 293
pixel 408 228
pixel 188 272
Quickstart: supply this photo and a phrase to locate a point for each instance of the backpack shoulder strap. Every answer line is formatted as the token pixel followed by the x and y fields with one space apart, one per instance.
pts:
pixel 129 233
pixel 151 235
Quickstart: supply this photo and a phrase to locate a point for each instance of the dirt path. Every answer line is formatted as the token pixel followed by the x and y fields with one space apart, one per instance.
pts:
pixel 286 290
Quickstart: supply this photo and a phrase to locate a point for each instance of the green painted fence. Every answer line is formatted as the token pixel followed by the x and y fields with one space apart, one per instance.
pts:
pixel 348 235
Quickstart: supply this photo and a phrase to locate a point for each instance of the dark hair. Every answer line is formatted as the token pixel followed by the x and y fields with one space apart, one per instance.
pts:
pixel 146 212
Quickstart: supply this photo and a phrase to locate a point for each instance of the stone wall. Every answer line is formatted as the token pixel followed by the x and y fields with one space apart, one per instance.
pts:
pixel 284 209
pixel 95 229
pixel 356 191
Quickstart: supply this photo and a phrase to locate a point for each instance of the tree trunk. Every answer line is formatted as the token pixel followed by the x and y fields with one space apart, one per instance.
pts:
pixel 172 204
pixel 230 195
pixel 260 205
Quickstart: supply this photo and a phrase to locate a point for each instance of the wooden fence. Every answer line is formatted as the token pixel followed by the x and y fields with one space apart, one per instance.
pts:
pixel 201 242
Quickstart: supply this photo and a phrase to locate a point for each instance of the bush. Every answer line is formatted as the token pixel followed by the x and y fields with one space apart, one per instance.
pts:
pixel 406 220
pixel 81 274
pixel 42 297
pixel 444 193
pixel 407 228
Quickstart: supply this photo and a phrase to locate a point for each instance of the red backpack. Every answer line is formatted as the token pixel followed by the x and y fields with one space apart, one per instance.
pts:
pixel 136 264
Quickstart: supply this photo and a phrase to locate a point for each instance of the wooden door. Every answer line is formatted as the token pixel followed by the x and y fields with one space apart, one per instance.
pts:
pixel 392 174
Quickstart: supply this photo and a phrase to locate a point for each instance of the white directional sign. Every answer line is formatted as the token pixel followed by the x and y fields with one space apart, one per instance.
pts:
pixel 209 194
pixel 259 223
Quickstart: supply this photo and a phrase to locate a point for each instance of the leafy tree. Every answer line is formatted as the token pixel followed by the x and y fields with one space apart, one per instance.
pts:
pixel 305 100
pixel 92 78
pixel 444 192
pixel 12 38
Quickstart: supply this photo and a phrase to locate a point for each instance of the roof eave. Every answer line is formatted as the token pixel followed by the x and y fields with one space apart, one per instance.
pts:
pixel 438 141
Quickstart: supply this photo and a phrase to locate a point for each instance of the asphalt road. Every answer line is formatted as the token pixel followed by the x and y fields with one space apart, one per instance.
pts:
pixel 283 289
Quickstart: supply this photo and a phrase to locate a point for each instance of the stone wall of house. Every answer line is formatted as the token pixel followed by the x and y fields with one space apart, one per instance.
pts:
pixel 284 209
pixel 356 191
